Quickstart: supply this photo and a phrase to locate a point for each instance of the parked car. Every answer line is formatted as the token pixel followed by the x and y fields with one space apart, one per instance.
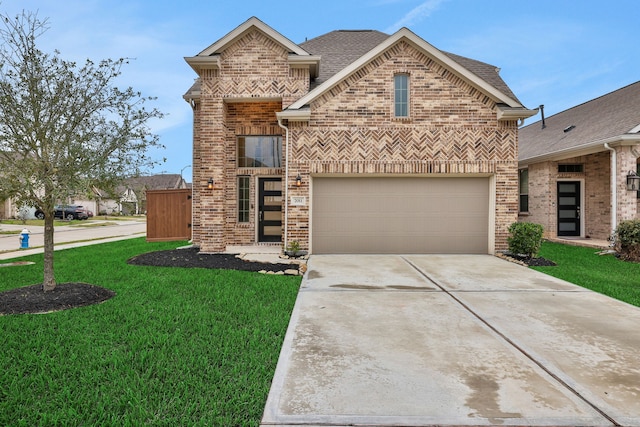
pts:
pixel 66 212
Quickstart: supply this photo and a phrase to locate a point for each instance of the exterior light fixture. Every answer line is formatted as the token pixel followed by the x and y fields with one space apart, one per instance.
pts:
pixel 210 184
pixel 633 181
pixel 299 180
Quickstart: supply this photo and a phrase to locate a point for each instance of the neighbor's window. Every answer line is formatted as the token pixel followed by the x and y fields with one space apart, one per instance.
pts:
pixel 259 151
pixel 401 95
pixel 524 190
pixel 638 172
pixel 243 199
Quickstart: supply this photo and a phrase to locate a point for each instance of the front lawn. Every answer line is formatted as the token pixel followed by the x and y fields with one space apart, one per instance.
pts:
pixel 175 346
pixel 601 273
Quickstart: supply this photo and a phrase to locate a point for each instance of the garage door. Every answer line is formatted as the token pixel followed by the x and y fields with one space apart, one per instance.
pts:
pixel 400 215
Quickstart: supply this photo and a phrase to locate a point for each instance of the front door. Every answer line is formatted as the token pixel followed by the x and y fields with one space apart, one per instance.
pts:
pixel 568 208
pixel 270 210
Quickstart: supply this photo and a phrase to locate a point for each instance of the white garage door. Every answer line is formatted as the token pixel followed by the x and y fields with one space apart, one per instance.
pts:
pixel 400 215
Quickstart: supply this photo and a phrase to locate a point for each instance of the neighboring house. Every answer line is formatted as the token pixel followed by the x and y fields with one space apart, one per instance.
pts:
pixel 8 209
pixel 130 197
pixel 574 166
pixel 351 142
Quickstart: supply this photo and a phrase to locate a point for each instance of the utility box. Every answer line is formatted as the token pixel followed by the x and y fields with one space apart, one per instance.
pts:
pixel 169 215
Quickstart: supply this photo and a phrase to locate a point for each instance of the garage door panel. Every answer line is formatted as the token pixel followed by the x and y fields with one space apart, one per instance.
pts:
pixel 400 215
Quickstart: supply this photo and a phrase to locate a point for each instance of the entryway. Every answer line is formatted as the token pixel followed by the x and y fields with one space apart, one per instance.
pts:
pixel 568 208
pixel 269 209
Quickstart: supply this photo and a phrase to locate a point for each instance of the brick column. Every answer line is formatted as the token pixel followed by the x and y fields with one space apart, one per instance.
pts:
pixel 210 165
pixel 627 200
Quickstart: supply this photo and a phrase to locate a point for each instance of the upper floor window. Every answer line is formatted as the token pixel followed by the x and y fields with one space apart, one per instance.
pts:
pixel 401 95
pixel 259 151
pixel 523 190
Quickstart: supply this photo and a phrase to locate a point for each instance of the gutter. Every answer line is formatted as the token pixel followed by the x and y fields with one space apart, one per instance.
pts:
pixel 286 182
pixel 614 187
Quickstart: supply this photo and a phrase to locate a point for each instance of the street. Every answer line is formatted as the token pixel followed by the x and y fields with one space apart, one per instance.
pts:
pixel 66 236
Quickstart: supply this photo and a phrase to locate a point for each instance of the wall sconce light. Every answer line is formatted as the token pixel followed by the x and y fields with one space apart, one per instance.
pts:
pixel 299 180
pixel 633 181
pixel 210 184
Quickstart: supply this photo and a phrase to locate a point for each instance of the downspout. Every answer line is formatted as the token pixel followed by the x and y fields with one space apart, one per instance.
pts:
pixel 614 187
pixel 286 182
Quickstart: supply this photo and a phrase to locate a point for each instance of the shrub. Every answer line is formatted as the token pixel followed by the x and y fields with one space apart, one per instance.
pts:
pixel 627 240
pixel 525 238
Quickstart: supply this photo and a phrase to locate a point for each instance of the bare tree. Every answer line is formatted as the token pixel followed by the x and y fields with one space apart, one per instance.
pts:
pixel 63 127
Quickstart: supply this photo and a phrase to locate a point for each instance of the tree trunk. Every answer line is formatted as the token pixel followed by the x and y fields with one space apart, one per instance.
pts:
pixel 49 282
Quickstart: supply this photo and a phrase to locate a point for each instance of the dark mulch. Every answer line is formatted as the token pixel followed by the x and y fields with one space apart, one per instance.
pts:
pixel 192 258
pixel 33 300
pixel 532 262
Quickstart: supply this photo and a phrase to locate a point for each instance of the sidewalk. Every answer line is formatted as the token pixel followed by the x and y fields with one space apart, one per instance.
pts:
pixel 68 236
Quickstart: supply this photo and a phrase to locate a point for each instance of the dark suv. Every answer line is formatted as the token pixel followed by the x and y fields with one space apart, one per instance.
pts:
pixel 66 212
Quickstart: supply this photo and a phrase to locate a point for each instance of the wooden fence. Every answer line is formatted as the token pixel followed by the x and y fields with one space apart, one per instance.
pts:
pixel 168 215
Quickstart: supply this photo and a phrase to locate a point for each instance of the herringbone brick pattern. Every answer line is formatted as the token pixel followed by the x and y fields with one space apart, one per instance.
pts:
pixel 404 145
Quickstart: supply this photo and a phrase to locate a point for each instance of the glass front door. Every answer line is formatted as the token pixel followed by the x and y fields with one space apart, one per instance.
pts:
pixel 270 210
pixel 569 208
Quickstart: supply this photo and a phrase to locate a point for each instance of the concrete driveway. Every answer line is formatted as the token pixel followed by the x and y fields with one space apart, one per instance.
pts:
pixel 453 340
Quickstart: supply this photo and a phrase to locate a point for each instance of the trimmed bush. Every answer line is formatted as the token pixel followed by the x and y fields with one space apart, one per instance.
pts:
pixel 525 238
pixel 627 240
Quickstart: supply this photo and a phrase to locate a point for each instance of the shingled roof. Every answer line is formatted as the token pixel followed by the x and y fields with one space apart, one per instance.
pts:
pixel 615 115
pixel 340 48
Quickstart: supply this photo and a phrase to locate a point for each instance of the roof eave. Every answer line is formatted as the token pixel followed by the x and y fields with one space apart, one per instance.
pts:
pixel 203 62
pixel 299 115
pixel 583 149
pixel 311 61
pixel 514 113
pixel 194 95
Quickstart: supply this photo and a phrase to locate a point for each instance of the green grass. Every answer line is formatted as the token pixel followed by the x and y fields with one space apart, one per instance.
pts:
pixel 174 347
pixel 601 273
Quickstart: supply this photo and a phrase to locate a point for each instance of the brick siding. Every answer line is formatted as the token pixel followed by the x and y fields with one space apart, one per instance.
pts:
pixel 596 181
pixel 452 129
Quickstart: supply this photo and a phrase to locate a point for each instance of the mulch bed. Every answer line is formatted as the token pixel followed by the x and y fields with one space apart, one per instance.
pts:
pixel 33 300
pixel 529 261
pixel 192 258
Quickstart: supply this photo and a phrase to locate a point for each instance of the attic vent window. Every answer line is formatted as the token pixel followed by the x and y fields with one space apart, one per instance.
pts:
pixel 574 168
pixel 569 128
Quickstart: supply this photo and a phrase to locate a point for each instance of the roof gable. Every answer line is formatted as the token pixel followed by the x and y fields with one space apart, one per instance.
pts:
pixel 209 57
pixel 583 129
pixel 241 30
pixel 446 60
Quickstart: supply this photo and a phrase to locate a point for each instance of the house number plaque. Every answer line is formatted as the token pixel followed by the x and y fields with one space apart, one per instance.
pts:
pixel 298 200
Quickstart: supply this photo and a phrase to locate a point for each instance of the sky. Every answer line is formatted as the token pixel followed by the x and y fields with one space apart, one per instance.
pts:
pixel 559 53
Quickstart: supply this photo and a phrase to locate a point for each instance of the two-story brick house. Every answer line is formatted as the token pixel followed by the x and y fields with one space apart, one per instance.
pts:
pixel 352 142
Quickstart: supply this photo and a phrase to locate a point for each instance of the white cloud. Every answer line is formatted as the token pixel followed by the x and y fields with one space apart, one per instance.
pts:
pixel 416 15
